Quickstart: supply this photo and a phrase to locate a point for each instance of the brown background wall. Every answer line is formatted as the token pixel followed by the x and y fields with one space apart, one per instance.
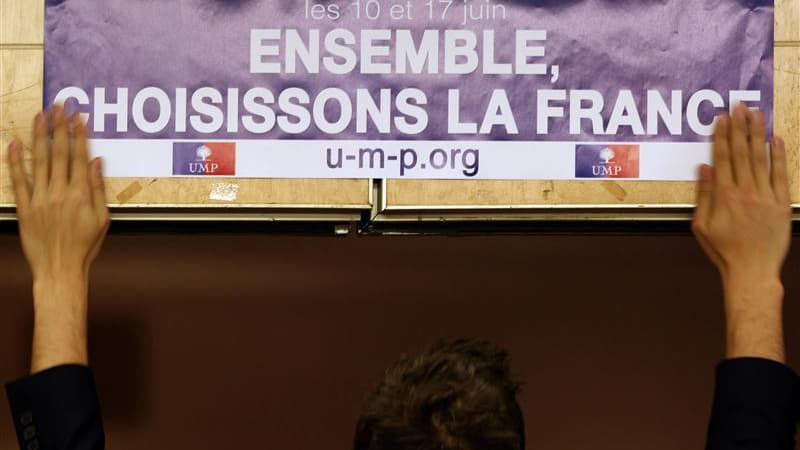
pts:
pixel 254 340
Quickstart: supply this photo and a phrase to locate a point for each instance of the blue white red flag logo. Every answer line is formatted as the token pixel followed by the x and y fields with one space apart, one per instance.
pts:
pixel 606 161
pixel 204 158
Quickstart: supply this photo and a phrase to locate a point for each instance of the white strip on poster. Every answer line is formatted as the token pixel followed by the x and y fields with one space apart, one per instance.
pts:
pixel 510 160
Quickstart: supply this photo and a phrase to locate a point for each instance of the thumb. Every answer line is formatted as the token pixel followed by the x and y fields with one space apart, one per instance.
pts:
pixel 97 184
pixel 704 194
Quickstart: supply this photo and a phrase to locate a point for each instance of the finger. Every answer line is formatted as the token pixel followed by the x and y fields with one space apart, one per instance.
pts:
pixel 98 188
pixel 780 176
pixel 60 149
pixel 758 156
pixel 704 186
pixel 740 151
pixel 702 211
pixel 41 153
pixel 703 208
pixel 723 169
pixel 22 192
pixel 80 152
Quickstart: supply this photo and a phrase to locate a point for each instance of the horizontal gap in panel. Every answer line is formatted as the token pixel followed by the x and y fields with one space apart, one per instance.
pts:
pixel 21 46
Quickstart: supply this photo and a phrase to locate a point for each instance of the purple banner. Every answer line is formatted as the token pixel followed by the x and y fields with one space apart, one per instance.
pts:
pixel 428 69
pixel 553 75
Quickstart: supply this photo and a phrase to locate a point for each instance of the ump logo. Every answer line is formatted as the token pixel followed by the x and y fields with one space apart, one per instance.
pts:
pixel 607 161
pixel 204 158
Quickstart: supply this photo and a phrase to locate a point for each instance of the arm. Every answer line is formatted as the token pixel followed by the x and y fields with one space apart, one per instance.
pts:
pixel 63 219
pixel 743 223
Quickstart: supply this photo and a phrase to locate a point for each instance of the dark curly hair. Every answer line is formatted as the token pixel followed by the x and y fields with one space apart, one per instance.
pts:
pixel 455 395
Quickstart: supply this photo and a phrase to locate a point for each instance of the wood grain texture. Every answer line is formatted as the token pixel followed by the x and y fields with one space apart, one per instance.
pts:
pixel 21 22
pixel 787 110
pixel 21 98
pixel 512 194
pixel 787 20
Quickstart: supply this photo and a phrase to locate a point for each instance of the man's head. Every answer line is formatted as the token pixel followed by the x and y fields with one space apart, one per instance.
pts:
pixel 453 396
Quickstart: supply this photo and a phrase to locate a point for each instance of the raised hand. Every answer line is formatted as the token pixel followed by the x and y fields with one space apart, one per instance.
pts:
pixel 63 219
pixel 743 222
pixel 62 216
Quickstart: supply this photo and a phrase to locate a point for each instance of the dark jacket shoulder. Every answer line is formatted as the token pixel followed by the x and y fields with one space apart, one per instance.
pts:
pixel 57 409
pixel 756 406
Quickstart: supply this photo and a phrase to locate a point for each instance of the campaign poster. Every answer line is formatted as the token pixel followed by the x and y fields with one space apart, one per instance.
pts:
pixel 426 89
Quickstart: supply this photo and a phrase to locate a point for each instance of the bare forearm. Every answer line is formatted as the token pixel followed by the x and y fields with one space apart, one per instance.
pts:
pixel 59 334
pixel 753 309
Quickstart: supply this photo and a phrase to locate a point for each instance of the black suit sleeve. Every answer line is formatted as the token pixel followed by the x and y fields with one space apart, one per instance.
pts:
pixel 57 409
pixel 755 406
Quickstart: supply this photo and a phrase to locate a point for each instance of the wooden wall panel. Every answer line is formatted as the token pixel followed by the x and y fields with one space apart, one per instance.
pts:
pixel 499 194
pixel 787 109
pixel 20 96
pixel 21 22
pixel 21 71
pixel 787 20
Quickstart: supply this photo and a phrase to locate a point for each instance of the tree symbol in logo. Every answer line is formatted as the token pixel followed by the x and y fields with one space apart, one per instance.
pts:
pixel 607 155
pixel 203 152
